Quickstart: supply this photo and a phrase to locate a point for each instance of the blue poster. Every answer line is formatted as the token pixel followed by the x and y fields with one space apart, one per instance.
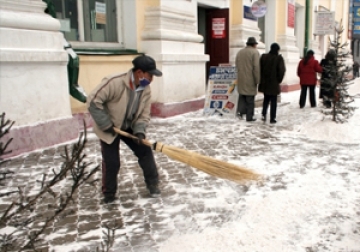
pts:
pixel 356 17
pixel 248 14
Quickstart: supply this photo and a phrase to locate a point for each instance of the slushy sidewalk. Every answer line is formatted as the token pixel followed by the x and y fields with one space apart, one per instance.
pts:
pixel 309 201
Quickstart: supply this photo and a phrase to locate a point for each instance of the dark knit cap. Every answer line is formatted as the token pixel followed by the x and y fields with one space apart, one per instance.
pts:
pixel 274 47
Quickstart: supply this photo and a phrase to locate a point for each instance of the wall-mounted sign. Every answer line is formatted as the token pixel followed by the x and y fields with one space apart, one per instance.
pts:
pixel 100 13
pixel 356 19
pixel 258 9
pixel 350 23
pixel 248 14
pixel 324 23
pixel 218 28
pixel 65 25
pixel 291 13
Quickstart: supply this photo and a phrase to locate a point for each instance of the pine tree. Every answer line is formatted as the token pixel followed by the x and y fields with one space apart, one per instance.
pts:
pixel 338 82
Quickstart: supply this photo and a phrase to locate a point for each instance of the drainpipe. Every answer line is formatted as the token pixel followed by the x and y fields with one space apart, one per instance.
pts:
pixel 307 21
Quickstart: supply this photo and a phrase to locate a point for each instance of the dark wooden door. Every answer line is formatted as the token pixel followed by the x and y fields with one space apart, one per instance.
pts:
pixel 217 37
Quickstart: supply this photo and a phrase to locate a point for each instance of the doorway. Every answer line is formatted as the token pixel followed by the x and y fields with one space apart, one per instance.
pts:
pixel 213 25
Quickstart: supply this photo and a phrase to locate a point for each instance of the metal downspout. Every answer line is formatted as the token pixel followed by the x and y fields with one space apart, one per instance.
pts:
pixel 307 22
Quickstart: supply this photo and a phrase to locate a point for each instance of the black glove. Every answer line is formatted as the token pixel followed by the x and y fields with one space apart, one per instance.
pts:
pixel 140 137
pixel 110 130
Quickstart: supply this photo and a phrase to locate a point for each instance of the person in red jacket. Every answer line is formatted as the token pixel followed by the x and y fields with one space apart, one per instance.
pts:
pixel 307 69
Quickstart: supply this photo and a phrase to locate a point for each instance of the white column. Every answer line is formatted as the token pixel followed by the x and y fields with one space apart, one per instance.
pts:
pixel 171 38
pixel 314 42
pixel 81 20
pixel 270 25
pixel 33 75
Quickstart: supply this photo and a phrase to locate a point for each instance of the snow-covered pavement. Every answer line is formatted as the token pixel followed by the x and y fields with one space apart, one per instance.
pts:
pixel 309 200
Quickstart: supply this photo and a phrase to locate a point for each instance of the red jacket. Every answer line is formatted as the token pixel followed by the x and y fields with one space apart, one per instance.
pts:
pixel 307 73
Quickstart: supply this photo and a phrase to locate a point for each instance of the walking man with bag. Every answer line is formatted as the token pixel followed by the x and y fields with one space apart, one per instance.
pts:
pixel 272 73
pixel 248 77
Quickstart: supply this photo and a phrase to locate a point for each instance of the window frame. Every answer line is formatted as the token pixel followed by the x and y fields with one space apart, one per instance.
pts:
pixel 120 46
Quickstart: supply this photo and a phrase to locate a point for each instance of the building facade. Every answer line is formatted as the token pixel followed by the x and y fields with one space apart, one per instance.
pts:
pixel 185 37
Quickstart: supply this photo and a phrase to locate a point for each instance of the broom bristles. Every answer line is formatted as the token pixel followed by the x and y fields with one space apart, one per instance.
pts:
pixel 209 165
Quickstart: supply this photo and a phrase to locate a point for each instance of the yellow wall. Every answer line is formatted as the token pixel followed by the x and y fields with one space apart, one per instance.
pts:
pixel 339 10
pixel 301 2
pixel 236 12
pixel 281 7
pixel 93 68
pixel 325 3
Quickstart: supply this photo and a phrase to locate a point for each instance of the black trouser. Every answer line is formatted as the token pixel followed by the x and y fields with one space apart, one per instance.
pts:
pixel 246 105
pixel 272 99
pixel 111 163
pixel 356 73
pixel 303 95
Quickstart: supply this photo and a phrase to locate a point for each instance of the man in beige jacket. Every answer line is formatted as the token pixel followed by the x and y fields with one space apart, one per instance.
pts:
pixel 123 101
pixel 248 77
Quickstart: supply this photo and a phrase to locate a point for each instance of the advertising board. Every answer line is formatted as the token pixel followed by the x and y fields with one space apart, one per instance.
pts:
pixel 221 95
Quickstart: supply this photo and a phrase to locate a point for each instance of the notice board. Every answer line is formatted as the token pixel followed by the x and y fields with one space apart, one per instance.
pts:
pixel 324 23
pixel 221 94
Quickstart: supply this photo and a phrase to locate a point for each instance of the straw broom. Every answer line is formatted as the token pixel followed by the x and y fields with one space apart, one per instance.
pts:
pixel 209 165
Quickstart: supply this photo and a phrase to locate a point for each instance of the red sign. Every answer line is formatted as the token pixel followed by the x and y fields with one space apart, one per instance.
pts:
pixel 218 28
pixel 219 97
pixel 291 15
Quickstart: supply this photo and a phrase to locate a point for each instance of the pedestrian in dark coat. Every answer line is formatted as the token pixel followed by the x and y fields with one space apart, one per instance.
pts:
pixel 307 69
pixel 272 71
pixel 355 69
pixel 326 87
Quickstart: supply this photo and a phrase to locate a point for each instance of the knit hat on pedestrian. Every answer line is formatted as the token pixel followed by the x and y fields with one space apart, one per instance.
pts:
pixel 274 47
pixel 311 52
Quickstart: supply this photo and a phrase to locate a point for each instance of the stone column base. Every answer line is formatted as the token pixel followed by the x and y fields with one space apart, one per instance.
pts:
pixel 42 135
pixel 171 109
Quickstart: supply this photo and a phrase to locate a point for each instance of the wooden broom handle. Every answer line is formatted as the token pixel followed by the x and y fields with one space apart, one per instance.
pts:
pixel 125 134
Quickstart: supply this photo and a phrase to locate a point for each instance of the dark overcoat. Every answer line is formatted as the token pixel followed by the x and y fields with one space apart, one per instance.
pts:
pixel 272 69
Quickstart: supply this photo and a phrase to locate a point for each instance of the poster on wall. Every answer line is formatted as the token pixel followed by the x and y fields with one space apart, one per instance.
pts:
pixel 218 28
pixel 100 13
pixel 356 19
pixel 248 14
pixel 291 13
pixel 350 23
pixel 221 95
pixel 324 23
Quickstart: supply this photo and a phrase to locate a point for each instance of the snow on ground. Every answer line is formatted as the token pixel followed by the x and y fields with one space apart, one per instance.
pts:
pixel 309 199
pixel 319 206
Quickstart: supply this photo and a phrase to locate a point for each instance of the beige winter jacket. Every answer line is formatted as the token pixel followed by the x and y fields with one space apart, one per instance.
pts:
pixel 107 105
pixel 247 63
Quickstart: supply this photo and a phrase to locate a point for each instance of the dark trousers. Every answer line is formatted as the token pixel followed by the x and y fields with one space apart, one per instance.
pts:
pixel 111 163
pixel 272 99
pixel 355 73
pixel 246 105
pixel 303 93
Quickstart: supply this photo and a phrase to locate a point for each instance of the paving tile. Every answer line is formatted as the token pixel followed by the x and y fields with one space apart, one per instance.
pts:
pixel 189 198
